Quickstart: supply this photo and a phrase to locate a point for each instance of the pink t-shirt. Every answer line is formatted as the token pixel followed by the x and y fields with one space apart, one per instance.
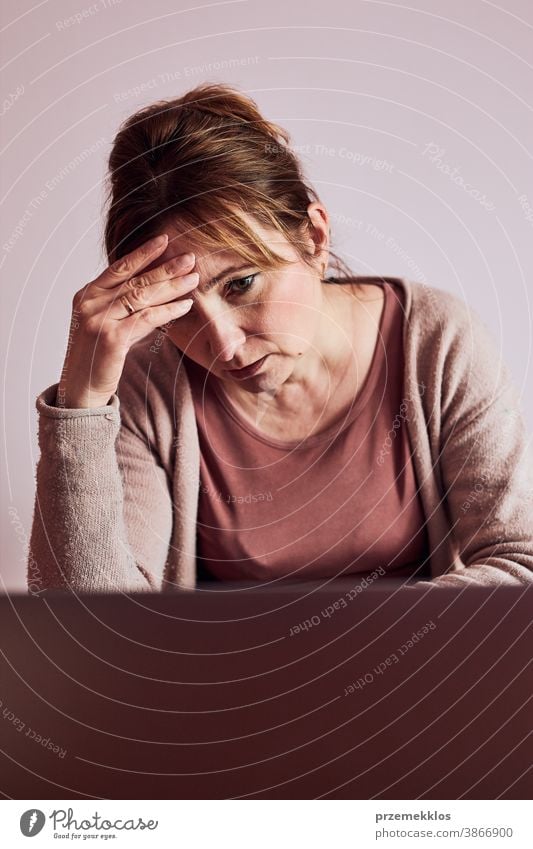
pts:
pixel 342 501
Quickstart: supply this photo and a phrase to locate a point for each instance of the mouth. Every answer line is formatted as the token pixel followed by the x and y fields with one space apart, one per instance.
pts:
pixel 247 371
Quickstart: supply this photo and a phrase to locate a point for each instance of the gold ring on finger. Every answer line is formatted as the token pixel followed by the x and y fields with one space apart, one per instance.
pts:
pixel 126 303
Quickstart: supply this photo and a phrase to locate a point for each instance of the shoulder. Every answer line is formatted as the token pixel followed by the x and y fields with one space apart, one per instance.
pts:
pixel 430 304
pixel 432 314
pixel 445 326
pixel 436 320
pixel 448 349
pixel 456 351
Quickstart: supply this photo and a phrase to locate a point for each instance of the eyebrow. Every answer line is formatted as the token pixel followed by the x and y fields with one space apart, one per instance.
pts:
pixel 221 277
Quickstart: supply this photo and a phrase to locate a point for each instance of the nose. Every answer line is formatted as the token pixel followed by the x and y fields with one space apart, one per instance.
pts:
pixel 223 334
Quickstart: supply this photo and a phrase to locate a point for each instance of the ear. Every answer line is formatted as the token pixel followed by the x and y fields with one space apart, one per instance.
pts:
pixel 319 233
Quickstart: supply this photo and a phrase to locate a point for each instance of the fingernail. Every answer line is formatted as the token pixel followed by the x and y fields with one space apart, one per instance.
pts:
pixel 158 240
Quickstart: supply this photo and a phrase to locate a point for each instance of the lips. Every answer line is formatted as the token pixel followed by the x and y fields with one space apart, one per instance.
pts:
pixel 248 370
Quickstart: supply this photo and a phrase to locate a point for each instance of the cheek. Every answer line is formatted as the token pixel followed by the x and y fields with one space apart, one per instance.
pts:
pixel 287 316
pixel 291 301
pixel 294 317
pixel 301 293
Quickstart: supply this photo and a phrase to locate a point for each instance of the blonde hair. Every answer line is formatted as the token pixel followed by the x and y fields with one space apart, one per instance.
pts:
pixel 198 162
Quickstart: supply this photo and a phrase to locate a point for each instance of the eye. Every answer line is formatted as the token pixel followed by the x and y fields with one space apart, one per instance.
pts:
pixel 248 281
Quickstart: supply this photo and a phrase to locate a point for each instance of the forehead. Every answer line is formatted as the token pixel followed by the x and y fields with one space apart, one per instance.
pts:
pixel 206 260
pixel 210 262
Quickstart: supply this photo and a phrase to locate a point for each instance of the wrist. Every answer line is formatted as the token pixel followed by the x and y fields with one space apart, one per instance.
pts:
pixel 82 401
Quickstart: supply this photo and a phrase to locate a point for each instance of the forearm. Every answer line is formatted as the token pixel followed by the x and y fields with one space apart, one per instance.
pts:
pixel 78 537
pixel 501 573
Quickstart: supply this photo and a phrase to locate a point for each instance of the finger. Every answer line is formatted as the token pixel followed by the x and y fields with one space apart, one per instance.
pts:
pixel 141 323
pixel 174 267
pixel 155 294
pixel 130 264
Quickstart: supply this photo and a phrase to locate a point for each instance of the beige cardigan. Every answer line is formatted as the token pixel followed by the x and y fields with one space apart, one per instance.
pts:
pixel 117 486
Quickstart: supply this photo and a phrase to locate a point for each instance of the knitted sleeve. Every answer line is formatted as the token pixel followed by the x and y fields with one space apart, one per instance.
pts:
pixel 485 459
pixel 103 513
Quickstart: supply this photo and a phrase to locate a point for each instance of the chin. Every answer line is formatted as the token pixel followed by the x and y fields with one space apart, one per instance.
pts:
pixel 271 379
pixel 262 383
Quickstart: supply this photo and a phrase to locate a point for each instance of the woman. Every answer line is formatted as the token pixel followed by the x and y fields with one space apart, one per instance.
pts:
pixel 272 422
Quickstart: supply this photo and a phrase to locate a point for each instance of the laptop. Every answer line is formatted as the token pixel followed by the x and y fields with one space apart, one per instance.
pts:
pixel 304 690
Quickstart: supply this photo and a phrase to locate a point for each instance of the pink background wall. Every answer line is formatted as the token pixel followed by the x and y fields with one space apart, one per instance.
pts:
pixel 379 98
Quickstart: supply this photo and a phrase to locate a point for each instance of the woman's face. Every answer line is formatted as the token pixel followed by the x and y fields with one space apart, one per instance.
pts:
pixel 250 314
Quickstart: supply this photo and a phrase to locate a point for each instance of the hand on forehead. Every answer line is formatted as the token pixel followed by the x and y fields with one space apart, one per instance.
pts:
pixel 207 263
